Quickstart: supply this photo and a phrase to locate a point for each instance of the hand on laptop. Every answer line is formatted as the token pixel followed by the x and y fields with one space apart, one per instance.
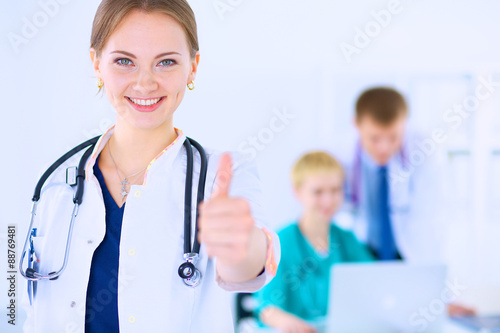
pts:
pixel 457 310
pixel 284 321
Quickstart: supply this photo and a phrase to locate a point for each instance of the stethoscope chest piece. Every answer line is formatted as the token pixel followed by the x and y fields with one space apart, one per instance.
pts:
pixel 191 276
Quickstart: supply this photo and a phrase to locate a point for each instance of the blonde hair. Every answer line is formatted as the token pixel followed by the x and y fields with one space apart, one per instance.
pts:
pixel 111 13
pixel 314 162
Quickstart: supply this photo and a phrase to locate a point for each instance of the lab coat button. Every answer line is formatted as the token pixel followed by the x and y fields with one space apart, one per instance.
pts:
pixel 73 303
pixel 90 241
pixel 131 319
pixel 131 252
pixel 137 193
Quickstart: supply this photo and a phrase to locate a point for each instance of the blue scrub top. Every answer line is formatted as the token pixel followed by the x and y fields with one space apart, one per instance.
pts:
pixel 101 311
pixel 301 285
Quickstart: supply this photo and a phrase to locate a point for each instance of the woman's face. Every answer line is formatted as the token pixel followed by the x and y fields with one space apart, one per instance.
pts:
pixel 146 60
pixel 321 194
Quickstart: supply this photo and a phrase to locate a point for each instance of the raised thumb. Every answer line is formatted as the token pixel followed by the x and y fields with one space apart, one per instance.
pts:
pixel 223 176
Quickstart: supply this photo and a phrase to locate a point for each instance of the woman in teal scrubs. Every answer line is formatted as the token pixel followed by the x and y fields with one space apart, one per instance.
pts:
pixel 311 245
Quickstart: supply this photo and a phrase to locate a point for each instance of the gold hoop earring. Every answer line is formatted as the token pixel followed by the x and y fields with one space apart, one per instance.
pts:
pixel 100 83
pixel 191 85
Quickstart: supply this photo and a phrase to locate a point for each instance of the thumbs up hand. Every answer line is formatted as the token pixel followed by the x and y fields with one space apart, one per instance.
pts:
pixel 227 230
pixel 224 177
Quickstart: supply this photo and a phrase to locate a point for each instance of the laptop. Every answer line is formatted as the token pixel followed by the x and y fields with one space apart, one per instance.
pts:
pixel 489 323
pixel 386 297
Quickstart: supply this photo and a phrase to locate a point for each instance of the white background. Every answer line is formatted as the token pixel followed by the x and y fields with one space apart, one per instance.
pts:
pixel 264 56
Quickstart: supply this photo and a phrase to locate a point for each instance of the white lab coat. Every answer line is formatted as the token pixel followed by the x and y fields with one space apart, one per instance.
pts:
pixel 152 297
pixel 417 202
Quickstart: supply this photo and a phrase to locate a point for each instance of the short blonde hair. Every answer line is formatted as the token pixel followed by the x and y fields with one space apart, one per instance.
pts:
pixel 314 162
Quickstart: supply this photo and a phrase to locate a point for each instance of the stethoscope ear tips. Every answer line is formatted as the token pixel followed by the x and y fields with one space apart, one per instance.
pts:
pixel 30 272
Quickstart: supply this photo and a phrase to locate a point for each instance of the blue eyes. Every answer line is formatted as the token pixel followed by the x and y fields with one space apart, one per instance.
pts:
pixel 171 61
pixel 127 62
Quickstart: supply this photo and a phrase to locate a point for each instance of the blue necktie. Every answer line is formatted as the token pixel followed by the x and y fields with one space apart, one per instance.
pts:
pixel 387 246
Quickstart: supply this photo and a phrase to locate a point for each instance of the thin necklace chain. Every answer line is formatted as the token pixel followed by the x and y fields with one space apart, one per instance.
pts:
pixel 124 182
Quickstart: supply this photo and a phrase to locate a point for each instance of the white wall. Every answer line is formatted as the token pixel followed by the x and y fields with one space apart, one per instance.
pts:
pixel 263 57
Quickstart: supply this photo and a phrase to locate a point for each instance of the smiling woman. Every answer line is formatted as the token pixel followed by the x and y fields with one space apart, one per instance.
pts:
pixel 144 54
pixel 131 268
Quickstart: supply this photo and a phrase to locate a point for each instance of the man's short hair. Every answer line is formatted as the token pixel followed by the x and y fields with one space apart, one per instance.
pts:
pixel 383 104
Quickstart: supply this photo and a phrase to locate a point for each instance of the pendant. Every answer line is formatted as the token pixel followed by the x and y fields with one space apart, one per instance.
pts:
pixel 124 183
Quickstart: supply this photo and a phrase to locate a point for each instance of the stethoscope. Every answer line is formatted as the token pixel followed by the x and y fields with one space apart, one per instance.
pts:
pixel 190 275
pixel 355 192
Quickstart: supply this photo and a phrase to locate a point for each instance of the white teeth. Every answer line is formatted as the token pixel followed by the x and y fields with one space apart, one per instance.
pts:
pixel 146 102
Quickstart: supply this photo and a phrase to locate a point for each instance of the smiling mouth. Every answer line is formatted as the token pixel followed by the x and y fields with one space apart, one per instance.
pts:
pixel 145 102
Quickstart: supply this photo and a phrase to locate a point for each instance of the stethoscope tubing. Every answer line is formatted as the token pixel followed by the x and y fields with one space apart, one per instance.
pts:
pixel 30 273
pixel 190 254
